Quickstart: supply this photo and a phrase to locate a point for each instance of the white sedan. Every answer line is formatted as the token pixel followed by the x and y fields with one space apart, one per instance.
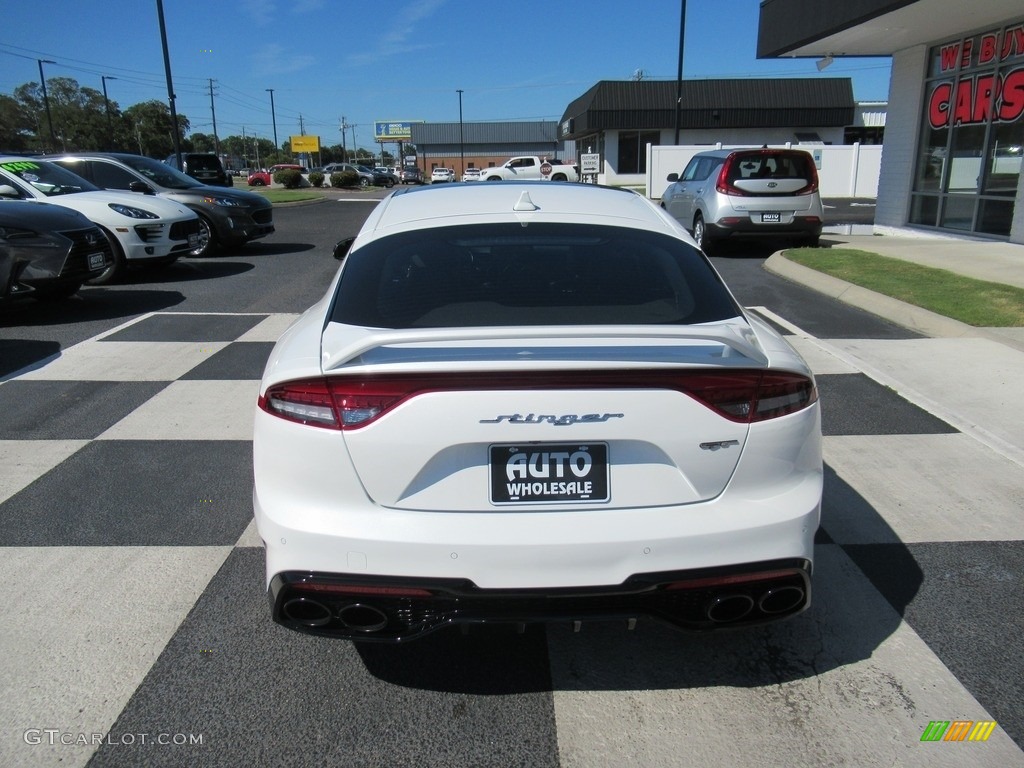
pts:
pixel 141 230
pixel 442 175
pixel 532 402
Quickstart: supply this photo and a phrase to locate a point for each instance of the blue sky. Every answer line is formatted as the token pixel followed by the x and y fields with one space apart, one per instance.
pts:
pixel 398 60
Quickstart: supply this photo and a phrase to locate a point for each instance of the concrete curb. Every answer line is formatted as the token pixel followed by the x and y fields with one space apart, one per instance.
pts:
pixel 907 315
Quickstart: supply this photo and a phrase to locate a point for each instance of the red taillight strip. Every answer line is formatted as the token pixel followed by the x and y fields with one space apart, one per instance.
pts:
pixel 350 402
pixel 350 589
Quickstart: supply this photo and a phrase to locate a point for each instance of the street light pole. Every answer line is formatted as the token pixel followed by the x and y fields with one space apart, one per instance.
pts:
pixel 462 143
pixel 46 99
pixel 106 104
pixel 273 116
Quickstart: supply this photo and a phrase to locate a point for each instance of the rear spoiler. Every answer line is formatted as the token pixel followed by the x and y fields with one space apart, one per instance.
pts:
pixel 734 346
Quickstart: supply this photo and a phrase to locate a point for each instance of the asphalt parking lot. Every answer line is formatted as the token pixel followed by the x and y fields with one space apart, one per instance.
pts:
pixel 144 636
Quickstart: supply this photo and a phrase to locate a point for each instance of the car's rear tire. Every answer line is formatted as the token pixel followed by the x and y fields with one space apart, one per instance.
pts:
pixel 256 183
pixel 700 234
pixel 364 182
pixel 116 270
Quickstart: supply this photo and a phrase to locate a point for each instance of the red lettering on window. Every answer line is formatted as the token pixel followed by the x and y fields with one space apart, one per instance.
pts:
pixel 948 56
pixel 1012 105
pixel 989 46
pixel 965 58
pixel 963 101
pixel 938 105
pixel 986 88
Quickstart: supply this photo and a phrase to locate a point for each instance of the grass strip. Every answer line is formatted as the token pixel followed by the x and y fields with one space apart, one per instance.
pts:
pixel 976 302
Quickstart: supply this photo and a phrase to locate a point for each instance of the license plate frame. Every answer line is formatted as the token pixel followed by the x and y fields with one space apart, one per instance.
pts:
pixel 96 261
pixel 771 217
pixel 549 473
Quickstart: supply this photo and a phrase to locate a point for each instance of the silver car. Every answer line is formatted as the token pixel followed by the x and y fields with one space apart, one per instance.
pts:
pixel 759 193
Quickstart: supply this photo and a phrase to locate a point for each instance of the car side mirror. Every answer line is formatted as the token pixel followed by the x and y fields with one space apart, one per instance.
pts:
pixel 141 186
pixel 672 177
pixel 341 248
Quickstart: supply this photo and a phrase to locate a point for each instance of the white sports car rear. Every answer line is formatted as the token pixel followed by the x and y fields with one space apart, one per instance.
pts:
pixel 532 402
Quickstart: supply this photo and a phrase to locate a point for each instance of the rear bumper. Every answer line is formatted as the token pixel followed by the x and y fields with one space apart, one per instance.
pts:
pixel 393 610
pixel 798 227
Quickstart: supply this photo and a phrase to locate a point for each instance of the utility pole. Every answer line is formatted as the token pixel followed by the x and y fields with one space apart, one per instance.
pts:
pixel 170 85
pixel 273 116
pixel 106 104
pixel 462 142
pixel 46 100
pixel 216 141
pixel 679 74
pixel 343 128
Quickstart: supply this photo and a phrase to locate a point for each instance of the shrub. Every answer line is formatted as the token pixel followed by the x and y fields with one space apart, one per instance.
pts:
pixel 316 179
pixel 289 178
pixel 345 179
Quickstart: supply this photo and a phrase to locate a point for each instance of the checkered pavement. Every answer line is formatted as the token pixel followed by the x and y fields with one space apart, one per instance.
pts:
pixel 137 624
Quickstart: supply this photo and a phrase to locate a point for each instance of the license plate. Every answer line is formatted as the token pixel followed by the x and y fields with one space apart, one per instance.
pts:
pixel 549 473
pixel 771 218
pixel 193 241
pixel 97 261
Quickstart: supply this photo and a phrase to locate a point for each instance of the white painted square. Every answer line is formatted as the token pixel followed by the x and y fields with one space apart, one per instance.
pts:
pixel 925 488
pixel 269 329
pixel 126 361
pixel 192 410
pixel 25 461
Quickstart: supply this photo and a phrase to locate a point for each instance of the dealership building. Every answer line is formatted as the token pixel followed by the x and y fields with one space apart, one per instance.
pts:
pixel 954 131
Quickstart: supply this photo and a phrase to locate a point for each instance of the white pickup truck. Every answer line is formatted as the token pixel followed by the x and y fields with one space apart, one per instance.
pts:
pixel 531 167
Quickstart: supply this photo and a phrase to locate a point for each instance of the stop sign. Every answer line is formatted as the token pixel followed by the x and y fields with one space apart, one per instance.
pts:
pixel 545 169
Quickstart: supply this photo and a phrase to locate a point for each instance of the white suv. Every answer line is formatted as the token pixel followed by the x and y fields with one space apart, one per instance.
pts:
pixel 149 230
pixel 759 193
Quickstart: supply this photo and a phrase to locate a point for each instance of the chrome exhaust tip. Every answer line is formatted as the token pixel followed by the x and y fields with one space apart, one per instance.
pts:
pixel 363 618
pixel 729 608
pixel 781 599
pixel 309 613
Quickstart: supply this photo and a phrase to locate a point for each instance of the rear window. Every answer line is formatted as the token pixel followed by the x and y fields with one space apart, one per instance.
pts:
pixel 546 274
pixel 771 165
pixel 203 162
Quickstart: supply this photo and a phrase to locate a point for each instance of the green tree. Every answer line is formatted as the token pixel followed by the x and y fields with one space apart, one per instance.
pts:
pixel 204 142
pixel 17 125
pixel 150 125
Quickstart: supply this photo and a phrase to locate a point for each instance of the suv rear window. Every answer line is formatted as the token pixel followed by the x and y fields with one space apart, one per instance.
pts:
pixel 549 274
pixel 771 165
pixel 203 162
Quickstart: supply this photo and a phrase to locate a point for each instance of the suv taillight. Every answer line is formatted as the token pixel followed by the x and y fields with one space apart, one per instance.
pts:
pixel 350 402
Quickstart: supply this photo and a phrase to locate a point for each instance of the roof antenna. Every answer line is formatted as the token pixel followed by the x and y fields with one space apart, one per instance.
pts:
pixel 525 203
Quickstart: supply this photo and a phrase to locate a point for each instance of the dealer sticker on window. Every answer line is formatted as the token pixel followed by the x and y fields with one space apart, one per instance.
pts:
pixel 544 473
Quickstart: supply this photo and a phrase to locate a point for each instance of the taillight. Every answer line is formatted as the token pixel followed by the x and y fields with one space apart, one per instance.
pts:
pixel 338 403
pixel 350 402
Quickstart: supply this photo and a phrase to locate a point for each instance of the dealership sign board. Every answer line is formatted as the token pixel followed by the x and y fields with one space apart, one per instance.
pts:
pixel 393 130
pixel 305 144
pixel 978 96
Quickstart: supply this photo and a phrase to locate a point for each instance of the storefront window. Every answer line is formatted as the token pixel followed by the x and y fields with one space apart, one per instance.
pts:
pixel 633 150
pixel 970 154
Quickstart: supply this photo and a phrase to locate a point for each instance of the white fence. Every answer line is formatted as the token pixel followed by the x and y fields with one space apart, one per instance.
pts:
pixel 844 170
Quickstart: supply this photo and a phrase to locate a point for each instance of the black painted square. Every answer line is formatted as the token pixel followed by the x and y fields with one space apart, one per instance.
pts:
pixel 238 361
pixel 853 404
pixel 198 328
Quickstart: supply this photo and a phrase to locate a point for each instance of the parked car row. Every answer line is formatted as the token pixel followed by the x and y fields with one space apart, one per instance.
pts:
pixel 77 218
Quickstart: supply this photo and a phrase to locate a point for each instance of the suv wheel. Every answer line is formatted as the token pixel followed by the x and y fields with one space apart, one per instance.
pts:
pixel 699 234
pixel 207 239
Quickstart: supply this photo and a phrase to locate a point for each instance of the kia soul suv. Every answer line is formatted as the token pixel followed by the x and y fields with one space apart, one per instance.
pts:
pixel 757 193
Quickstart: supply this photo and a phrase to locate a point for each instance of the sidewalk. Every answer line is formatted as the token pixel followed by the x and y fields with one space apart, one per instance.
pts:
pixel 970 377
